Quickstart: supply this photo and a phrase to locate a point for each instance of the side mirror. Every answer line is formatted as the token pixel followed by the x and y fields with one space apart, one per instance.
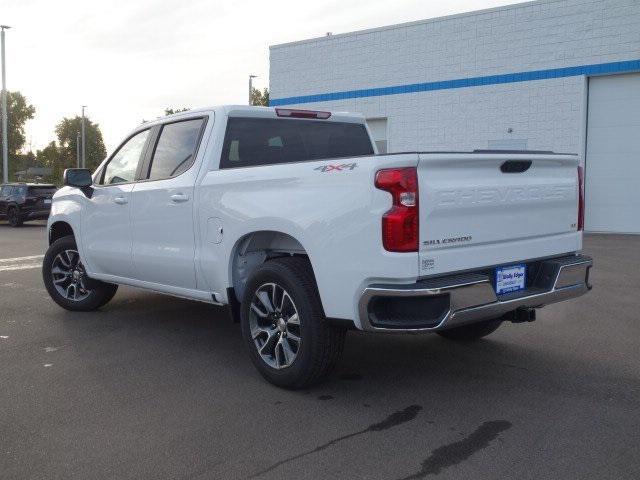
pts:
pixel 77 177
pixel 80 178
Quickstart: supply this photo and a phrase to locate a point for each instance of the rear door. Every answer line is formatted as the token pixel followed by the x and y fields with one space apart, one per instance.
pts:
pixel 162 207
pixel 486 209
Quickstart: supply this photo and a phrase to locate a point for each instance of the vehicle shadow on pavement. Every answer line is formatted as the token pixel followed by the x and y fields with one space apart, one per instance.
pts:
pixel 174 374
pixel 148 322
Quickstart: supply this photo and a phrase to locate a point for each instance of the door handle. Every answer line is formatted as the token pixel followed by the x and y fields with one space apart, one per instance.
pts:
pixel 120 200
pixel 179 198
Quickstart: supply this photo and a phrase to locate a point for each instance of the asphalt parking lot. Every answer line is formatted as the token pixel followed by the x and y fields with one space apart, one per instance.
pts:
pixel 158 387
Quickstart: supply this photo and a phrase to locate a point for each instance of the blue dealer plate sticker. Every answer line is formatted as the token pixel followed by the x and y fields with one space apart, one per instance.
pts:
pixel 510 279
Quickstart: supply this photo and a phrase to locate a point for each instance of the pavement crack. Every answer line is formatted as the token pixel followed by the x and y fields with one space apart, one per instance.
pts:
pixel 397 418
pixel 454 453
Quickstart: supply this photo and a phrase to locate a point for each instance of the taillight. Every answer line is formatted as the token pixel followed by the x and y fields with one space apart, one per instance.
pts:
pixel 400 224
pixel 292 113
pixel 580 198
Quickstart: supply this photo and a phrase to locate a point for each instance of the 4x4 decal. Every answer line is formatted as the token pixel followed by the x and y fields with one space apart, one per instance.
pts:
pixel 331 168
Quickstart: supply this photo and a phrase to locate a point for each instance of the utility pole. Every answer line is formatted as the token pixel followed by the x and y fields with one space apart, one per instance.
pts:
pixel 5 146
pixel 251 77
pixel 84 162
pixel 78 149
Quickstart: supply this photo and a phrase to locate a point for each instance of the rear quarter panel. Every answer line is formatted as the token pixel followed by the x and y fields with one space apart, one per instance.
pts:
pixel 331 207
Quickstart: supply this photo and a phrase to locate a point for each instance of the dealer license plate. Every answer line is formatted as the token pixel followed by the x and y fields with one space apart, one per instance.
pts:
pixel 511 278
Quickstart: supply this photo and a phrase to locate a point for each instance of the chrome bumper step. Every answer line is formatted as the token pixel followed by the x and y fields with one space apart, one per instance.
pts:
pixel 472 297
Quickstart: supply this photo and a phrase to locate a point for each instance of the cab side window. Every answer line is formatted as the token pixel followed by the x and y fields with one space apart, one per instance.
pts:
pixel 176 149
pixel 123 165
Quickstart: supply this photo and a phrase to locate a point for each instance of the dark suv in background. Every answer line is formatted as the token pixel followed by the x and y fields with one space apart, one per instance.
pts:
pixel 20 202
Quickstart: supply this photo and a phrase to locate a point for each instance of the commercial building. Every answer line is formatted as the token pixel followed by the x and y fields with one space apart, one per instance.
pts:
pixel 561 75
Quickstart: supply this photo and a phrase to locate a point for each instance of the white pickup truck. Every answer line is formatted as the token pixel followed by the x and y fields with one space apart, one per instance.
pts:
pixel 291 218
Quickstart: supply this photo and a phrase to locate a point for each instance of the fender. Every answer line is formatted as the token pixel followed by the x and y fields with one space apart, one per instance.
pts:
pixel 66 206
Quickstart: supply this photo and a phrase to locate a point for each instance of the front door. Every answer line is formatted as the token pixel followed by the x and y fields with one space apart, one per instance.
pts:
pixel 106 222
pixel 162 208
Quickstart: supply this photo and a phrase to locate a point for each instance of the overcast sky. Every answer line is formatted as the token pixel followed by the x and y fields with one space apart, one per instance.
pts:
pixel 128 60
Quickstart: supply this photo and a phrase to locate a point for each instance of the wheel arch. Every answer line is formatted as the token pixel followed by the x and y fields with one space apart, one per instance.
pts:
pixel 253 249
pixel 59 229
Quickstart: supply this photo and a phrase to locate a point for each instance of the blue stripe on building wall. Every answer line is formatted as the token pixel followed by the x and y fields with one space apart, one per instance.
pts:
pixel 595 69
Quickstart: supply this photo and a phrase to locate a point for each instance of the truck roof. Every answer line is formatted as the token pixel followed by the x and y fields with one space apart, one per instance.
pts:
pixel 259 112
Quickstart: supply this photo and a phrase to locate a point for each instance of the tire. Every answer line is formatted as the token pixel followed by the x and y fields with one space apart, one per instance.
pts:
pixel 62 268
pixel 14 218
pixel 474 331
pixel 304 362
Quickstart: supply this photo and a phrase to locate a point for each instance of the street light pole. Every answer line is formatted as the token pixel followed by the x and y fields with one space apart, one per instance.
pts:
pixel 84 163
pixel 78 149
pixel 251 77
pixel 5 146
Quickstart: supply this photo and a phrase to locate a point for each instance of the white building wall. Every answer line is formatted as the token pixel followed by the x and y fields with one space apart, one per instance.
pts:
pixel 545 114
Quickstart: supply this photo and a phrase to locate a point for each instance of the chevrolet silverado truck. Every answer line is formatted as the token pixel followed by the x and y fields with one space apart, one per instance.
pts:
pixel 292 219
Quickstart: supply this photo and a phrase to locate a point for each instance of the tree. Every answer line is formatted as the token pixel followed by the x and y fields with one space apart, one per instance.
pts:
pixel 171 111
pixel 50 157
pixel 21 162
pixel 67 133
pixel 18 112
pixel 259 98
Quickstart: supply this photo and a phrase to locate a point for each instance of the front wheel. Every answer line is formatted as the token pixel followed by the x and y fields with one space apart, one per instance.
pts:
pixel 283 325
pixel 474 331
pixel 67 282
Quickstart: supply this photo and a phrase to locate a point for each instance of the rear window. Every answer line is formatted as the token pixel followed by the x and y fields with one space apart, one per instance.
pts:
pixel 264 141
pixel 41 191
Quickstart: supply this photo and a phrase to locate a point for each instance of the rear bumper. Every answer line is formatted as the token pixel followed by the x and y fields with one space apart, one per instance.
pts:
pixel 451 301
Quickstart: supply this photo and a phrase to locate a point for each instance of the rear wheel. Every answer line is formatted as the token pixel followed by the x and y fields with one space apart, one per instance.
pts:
pixel 288 337
pixel 67 282
pixel 14 218
pixel 474 331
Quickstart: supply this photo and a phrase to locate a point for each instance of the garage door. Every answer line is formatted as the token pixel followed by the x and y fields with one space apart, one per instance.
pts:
pixel 612 173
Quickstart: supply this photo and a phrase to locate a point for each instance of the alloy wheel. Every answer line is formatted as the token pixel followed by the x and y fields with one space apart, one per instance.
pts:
pixel 275 325
pixel 69 276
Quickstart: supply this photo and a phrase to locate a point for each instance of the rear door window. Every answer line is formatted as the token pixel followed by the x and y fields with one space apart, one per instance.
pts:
pixel 264 141
pixel 176 149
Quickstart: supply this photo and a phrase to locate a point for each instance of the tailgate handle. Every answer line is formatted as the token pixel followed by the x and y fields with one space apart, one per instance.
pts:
pixel 515 166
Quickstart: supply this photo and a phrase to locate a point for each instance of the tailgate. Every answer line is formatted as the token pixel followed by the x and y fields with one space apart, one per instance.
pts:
pixel 40 197
pixel 480 209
